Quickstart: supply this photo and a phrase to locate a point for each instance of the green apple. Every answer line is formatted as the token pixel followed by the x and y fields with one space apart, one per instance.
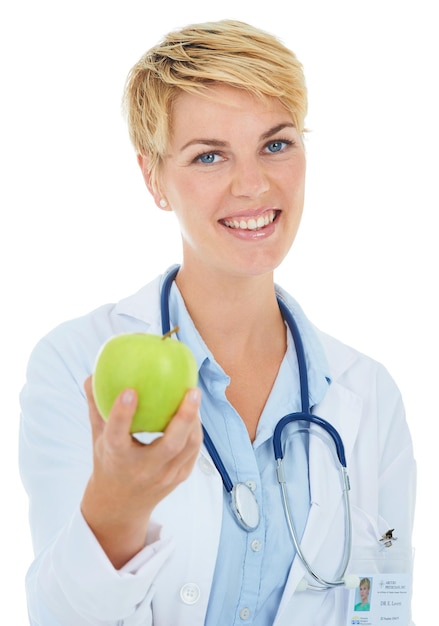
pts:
pixel 160 369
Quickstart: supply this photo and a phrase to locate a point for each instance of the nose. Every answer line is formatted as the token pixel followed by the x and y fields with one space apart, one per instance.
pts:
pixel 249 179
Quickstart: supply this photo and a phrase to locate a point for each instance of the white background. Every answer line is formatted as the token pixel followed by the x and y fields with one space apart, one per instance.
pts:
pixel 78 228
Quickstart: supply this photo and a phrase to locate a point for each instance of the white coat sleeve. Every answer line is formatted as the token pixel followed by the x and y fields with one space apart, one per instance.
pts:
pixel 71 581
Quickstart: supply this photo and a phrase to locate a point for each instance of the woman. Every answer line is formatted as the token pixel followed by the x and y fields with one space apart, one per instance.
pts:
pixel 134 534
pixel 364 604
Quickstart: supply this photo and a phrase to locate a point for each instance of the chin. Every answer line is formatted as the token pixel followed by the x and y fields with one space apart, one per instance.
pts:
pixel 254 267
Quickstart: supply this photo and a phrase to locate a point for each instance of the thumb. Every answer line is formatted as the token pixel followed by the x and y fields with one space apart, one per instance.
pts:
pixel 187 413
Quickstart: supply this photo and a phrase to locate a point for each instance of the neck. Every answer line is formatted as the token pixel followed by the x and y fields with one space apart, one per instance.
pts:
pixel 232 311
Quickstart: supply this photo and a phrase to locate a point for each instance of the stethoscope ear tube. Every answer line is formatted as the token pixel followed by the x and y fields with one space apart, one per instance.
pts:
pixel 313 419
pixel 300 352
pixel 322 583
pixel 164 299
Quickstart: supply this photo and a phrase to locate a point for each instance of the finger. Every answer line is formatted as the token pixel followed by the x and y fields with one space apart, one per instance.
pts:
pixel 187 412
pixel 117 431
pixel 175 453
pixel 184 430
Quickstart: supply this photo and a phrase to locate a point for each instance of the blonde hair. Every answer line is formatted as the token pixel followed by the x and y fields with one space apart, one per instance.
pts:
pixel 200 55
pixel 365 582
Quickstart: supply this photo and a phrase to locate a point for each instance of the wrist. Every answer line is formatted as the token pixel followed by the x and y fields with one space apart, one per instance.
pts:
pixel 120 532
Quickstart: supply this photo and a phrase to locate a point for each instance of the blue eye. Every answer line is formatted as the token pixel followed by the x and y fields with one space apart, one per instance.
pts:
pixel 276 146
pixel 208 157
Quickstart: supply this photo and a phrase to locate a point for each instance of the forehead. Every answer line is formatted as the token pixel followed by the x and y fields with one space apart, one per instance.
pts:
pixel 222 108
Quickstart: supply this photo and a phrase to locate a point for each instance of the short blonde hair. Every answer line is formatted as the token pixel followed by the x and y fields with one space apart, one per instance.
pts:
pixel 365 582
pixel 224 52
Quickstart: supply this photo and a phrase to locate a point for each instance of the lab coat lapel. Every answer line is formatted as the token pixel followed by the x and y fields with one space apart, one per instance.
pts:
pixel 342 409
pixel 144 306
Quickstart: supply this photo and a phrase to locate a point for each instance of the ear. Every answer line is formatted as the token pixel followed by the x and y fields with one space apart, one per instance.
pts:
pixel 143 162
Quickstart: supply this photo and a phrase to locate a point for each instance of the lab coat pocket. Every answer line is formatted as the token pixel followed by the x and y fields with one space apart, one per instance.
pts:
pixel 376 545
pixel 383 562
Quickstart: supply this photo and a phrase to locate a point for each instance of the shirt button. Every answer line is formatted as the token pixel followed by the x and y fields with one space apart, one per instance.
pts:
pixel 256 545
pixel 251 484
pixel 244 613
pixel 190 593
pixel 205 466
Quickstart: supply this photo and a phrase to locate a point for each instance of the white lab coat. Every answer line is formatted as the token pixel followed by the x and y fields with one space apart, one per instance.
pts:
pixel 71 583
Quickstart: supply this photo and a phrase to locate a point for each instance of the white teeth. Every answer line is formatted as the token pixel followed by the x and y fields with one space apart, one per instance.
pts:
pixel 252 223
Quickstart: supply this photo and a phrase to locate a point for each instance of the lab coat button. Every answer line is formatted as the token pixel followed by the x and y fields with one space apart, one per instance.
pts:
pixel 244 613
pixel 205 466
pixel 190 593
pixel 256 545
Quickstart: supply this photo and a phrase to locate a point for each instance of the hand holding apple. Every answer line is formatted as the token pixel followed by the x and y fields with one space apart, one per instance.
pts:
pixel 129 479
pixel 160 369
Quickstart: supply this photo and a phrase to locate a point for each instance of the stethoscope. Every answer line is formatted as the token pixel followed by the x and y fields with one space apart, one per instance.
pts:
pixel 242 499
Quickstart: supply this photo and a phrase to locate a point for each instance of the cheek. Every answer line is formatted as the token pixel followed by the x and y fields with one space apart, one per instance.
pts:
pixel 197 199
pixel 292 177
pixel 183 188
pixel 300 172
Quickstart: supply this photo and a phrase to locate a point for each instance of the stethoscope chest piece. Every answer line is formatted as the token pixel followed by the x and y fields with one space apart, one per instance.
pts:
pixel 245 506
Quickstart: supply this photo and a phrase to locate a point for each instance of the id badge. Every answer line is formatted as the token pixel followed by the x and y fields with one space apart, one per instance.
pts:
pixel 380 599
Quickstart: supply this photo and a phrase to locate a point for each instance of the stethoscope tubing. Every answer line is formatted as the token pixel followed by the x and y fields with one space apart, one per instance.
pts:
pixel 304 415
pixel 312 419
pixel 323 584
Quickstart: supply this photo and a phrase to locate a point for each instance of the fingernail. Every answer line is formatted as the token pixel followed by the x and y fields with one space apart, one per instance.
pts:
pixel 127 396
pixel 194 395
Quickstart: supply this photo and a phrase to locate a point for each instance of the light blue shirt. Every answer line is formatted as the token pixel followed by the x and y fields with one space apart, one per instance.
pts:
pixel 252 567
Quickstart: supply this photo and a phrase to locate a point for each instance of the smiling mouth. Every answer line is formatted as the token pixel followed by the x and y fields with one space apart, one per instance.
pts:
pixel 251 223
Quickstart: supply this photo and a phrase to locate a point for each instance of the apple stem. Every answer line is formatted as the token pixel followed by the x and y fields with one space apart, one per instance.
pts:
pixel 171 332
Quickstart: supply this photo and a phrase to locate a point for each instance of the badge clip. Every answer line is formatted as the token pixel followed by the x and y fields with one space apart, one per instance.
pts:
pixel 387 539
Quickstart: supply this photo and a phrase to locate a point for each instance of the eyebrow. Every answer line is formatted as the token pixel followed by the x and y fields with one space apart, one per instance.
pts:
pixel 276 129
pixel 217 143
